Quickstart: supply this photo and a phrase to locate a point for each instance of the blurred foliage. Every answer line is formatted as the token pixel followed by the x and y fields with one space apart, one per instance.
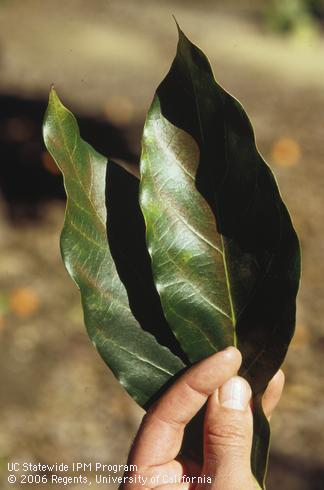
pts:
pixel 300 17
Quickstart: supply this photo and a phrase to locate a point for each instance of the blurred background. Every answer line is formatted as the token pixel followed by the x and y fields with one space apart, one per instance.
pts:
pixel 59 402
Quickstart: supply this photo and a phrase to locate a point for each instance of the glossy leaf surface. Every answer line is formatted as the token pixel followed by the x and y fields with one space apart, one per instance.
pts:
pixel 126 237
pixel 140 363
pixel 252 228
pixel 188 263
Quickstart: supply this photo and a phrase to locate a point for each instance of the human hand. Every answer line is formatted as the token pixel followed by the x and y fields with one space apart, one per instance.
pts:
pixel 228 429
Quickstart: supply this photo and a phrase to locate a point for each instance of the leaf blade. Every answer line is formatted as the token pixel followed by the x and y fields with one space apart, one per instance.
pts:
pixel 169 214
pixel 258 239
pixel 126 237
pixel 142 366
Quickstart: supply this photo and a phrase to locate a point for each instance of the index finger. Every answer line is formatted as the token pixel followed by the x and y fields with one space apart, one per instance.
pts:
pixel 160 436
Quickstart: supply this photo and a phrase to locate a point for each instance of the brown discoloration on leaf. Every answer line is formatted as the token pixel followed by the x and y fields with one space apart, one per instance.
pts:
pixel 137 360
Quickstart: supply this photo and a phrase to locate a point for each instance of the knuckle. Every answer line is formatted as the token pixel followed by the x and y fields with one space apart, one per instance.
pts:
pixel 230 435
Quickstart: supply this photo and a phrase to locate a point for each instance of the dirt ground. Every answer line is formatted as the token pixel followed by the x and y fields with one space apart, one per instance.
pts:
pixel 59 402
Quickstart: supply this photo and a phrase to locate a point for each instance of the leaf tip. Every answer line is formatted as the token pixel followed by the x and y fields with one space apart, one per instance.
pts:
pixel 180 32
pixel 183 41
pixel 53 97
pixel 176 22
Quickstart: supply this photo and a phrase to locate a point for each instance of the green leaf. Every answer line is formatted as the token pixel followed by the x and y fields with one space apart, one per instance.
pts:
pixel 235 264
pixel 187 259
pixel 126 237
pixel 135 357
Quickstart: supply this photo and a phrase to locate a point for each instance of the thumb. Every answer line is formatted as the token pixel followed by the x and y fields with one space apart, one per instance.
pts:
pixel 228 436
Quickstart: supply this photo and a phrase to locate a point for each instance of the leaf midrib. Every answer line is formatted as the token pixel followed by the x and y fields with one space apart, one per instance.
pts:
pixel 262 351
pixel 84 146
pixel 202 136
pixel 166 209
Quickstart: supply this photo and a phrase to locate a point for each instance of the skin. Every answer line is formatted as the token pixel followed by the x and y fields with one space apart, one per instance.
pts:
pixel 227 428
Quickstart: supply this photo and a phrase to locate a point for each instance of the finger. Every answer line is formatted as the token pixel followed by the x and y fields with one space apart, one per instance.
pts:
pixel 167 473
pixel 159 438
pixel 176 486
pixel 273 393
pixel 228 436
pixel 153 477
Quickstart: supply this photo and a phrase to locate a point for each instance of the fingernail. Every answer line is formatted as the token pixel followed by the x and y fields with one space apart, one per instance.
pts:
pixel 235 394
pixel 229 351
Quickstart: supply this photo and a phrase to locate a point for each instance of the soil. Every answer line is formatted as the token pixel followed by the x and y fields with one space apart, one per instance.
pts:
pixel 59 402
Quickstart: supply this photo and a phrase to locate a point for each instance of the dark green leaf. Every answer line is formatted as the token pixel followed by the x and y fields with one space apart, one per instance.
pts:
pixel 126 237
pixel 252 231
pixel 187 258
pixel 138 361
